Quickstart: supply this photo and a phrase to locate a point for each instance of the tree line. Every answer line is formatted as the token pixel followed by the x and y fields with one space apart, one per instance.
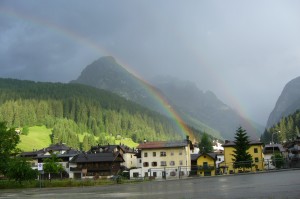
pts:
pixel 287 129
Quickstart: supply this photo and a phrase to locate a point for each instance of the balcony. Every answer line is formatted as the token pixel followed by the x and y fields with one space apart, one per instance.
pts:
pixel 206 168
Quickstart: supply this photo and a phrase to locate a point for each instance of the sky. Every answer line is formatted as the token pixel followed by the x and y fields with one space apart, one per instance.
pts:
pixel 243 51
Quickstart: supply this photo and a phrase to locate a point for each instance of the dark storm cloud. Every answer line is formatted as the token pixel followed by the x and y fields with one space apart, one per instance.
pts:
pixel 237 49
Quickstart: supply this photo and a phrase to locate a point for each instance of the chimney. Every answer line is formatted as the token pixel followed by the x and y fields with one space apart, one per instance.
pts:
pixel 227 141
pixel 187 138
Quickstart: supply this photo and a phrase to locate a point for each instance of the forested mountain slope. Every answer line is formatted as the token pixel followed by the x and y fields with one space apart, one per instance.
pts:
pixel 105 73
pixel 287 103
pixel 202 111
pixel 286 130
pixel 72 109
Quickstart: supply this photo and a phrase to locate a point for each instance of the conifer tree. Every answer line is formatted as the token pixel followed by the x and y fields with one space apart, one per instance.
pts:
pixel 205 144
pixel 242 158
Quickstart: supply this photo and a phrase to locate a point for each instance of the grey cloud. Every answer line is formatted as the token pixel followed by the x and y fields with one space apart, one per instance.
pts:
pixel 237 49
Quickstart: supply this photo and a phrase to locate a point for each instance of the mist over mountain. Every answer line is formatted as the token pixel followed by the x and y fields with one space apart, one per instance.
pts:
pixel 287 103
pixel 204 106
pixel 201 110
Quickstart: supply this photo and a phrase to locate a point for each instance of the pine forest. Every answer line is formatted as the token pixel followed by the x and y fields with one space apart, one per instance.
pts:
pixel 73 109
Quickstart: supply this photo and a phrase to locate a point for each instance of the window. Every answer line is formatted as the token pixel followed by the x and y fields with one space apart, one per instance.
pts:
pixel 154 154
pixel 172 173
pixel 256 160
pixel 163 163
pixel 145 164
pixel 154 164
pixel 180 152
pixel 172 163
pixel 172 153
pixel 154 174
pixel 163 153
pixel 255 150
pixel 140 161
pixel 180 162
pixel 145 154
pixel 135 175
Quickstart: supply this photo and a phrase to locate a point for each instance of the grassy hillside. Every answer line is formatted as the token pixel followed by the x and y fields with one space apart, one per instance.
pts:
pixel 37 138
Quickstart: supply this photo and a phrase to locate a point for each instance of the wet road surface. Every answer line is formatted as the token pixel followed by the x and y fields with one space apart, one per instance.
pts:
pixel 284 184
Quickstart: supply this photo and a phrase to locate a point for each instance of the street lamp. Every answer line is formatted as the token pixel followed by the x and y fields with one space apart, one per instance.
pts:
pixel 273 146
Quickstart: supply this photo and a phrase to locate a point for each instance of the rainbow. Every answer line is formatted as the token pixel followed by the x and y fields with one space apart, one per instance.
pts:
pixel 230 95
pixel 92 45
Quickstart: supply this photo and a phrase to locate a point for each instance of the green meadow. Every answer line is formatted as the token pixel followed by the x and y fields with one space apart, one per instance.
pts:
pixel 39 137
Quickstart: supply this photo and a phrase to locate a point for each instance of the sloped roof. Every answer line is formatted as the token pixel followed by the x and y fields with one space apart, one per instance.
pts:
pixel 163 144
pixel 54 148
pixel 127 149
pixel 212 155
pixel 58 147
pixel 270 147
pixel 194 157
pixel 30 154
pixel 105 148
pixel 231 143
pixel 97 157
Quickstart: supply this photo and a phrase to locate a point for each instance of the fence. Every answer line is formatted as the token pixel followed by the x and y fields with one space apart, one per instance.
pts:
pixel 180 172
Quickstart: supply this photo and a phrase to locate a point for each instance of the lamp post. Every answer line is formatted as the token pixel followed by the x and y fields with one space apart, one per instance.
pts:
pixel 273 146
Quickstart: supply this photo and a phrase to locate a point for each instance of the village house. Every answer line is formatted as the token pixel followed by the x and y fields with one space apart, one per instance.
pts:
pixel 95 165
pixel 164 159
pixel 128 154
pixel 62 151
pixel 256 151
pixel 269 151
pixel 130 158
pixel 206 164
pixel 293 148
pixel 103 161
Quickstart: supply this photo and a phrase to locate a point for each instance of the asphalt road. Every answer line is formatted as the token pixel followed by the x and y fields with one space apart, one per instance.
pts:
pixel 284 184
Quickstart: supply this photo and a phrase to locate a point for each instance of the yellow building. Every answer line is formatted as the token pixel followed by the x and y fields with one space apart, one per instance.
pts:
pixel 256 151
pixel 206 163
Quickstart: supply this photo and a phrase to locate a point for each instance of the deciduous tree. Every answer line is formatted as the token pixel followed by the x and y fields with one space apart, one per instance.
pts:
pixel 8 145
pixel 19 170
pixel 277 160
pixel 52 165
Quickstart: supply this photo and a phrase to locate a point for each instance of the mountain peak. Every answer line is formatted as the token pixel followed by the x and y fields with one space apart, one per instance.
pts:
pixel 107 59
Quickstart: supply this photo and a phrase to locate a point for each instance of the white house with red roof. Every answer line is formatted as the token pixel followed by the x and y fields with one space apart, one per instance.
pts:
pixel 164 159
